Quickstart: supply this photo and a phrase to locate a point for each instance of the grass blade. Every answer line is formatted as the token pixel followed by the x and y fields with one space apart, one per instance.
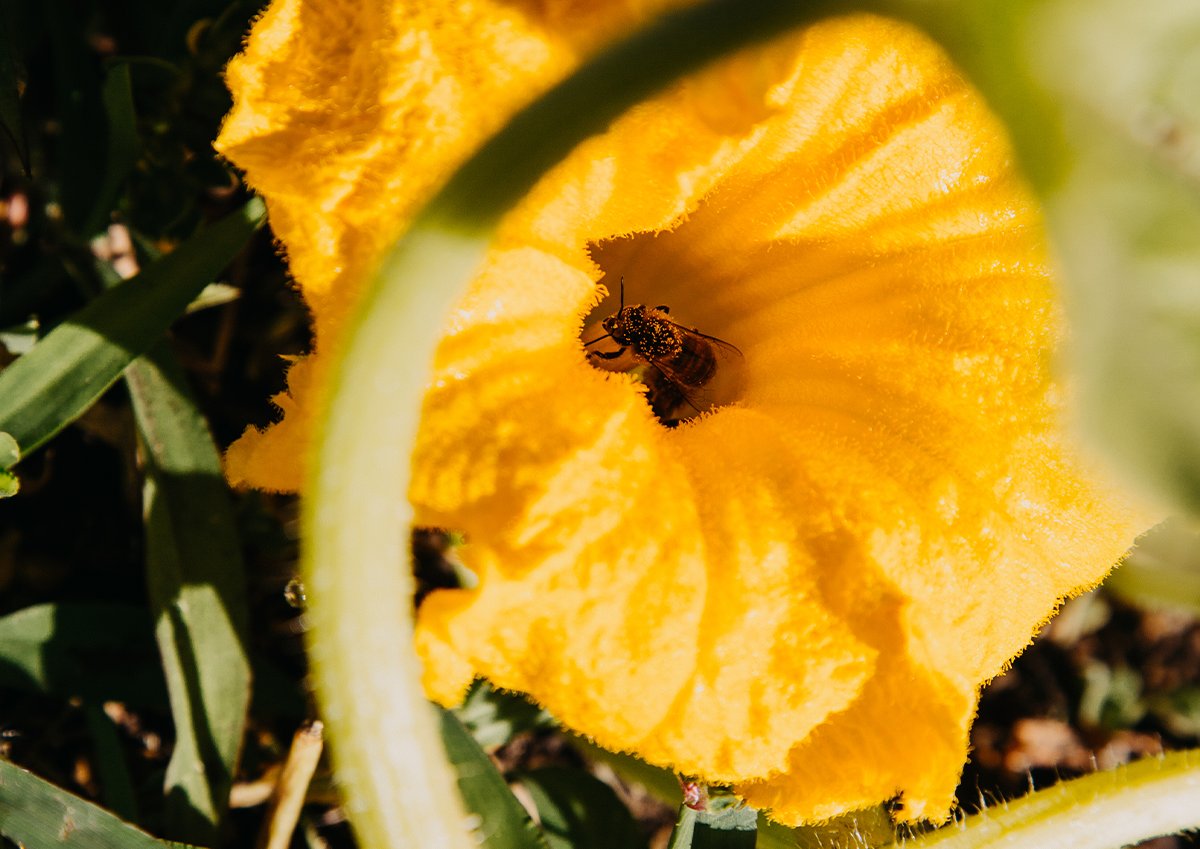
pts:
pixel 115 782
pixel 504 824
pixel 197 593
pixel 64 373
pixel 100 652
pixel 37 815
pixel 122 145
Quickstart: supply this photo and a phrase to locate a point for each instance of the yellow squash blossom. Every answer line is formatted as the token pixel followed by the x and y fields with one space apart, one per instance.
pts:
pixel 801 591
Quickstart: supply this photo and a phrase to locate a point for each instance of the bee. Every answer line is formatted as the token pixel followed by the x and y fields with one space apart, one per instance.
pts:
pixel 676 362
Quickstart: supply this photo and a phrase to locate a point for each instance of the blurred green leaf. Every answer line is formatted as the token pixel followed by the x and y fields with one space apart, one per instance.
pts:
pixel 115 784
pixel 503 823
pixel 1112 697
pixel 197 593
pixel 660 782
pixel 494 717
pixel 122 146
pixel 35 814
pixel 1179 711
pixel 47 388
pixel 1163 570
pixel 579 811
pixel 101 652
pixel 1100 98
pixel 10 96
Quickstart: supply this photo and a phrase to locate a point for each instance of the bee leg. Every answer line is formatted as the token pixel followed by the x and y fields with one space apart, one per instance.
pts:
pixel 663 308
pixel 607 355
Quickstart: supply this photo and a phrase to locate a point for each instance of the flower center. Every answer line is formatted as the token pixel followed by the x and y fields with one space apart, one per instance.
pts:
pixel 687 369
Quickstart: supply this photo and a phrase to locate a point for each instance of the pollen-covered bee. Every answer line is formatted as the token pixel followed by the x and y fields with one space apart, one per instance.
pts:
pixel 676 362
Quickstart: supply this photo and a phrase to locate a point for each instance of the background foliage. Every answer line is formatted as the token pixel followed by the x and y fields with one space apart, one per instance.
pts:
pixel 151 662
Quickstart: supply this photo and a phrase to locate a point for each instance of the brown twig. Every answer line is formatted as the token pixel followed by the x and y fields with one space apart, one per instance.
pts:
pixel 284 809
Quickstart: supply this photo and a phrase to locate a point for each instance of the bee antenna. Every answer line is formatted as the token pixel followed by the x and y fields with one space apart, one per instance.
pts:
pixel 622 291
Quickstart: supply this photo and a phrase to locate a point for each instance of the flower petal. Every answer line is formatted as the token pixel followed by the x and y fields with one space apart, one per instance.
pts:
pixel 347 115
pixel 800 592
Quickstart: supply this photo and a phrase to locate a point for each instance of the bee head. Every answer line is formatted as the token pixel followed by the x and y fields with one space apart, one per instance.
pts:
pixel 625 324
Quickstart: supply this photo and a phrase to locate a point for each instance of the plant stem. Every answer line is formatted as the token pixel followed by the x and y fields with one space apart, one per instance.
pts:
pixel 1105 810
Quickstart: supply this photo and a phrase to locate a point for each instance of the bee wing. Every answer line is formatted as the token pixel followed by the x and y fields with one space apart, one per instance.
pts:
pixel 723 385
pixel 720 346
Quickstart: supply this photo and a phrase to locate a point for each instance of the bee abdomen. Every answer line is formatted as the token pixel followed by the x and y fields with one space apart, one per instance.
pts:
pixel 696 363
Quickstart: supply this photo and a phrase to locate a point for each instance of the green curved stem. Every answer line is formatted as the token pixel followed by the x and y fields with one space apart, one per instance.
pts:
pixel 1104 810
pixel 399 787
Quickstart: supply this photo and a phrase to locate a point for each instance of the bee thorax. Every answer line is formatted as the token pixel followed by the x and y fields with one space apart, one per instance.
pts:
pixel 653 337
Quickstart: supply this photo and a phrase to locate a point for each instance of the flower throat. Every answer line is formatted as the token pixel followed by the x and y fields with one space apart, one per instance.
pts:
pixel 676 363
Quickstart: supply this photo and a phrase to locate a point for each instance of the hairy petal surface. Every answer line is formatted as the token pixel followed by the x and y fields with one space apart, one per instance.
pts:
pixel 347 115
pixel 802 591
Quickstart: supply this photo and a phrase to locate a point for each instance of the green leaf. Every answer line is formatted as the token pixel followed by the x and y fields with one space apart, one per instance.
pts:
pixel 10 452
pixel 63 374
pixel 100 652
pixel 213 295
pixel 197 592
pixel 503 823
pixel 685 827
pixel 10 96
pixel 107 652
pixel 1100 98
pixel 37 815
pixel 579 811
pixel 122 145
pixel 115 783
pixel 494 717
pixel 732 827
